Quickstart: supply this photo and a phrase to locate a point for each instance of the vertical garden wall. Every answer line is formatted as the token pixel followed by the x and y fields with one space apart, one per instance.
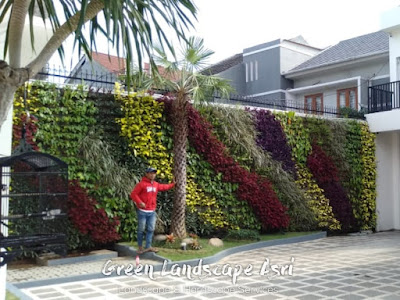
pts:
pixel 247 169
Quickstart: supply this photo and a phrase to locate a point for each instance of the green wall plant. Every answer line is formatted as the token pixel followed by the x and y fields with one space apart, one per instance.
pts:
pixel 368 194
pixel 236 129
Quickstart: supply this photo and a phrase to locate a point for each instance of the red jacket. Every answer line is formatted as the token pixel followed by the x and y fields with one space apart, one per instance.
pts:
pixel 146 191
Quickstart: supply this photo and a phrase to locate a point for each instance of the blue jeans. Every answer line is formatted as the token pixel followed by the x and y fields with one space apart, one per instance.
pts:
pixel 146 220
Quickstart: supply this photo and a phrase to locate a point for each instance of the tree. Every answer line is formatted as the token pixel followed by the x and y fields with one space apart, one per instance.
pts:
pixel 188 84
pixel 128 24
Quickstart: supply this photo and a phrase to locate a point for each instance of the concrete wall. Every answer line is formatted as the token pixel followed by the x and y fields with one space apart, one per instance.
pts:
pixel 236 76
pixel 266 76
pixel 388 188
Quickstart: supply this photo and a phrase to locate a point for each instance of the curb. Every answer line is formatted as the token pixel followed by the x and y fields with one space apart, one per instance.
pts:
pixel 168 264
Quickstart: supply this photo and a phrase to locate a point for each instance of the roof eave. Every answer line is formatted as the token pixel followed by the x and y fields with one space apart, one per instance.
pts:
pixel 336 64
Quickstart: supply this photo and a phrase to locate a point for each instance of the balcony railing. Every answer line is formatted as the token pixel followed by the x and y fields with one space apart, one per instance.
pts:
pixel 384 97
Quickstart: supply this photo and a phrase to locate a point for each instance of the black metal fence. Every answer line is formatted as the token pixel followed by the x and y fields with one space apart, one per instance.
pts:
pixel 60 75
pixel 104 81
pixel 279 104
pixel 384 97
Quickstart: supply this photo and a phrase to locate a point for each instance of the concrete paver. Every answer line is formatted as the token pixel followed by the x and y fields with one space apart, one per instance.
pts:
pixel 341 267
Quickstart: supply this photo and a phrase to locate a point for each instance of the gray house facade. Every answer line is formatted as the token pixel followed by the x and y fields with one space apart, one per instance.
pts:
pixel 256 72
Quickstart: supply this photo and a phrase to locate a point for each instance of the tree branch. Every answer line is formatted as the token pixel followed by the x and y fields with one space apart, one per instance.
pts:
pixel 61 34
pixel 17 24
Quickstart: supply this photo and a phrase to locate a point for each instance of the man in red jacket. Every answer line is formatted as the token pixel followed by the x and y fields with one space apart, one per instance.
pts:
pixel 145 197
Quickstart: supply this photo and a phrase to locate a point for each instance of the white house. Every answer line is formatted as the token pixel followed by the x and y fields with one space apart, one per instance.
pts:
pixel 340 75
pixel 385 122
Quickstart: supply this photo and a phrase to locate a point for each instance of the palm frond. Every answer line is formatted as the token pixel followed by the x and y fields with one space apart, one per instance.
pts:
pixel 98 158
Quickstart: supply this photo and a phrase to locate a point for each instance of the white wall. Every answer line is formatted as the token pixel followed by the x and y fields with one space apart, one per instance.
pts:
pixel 42 35
pixel 293 55
pixel 394 45
pixel 384 121
pixel 388 178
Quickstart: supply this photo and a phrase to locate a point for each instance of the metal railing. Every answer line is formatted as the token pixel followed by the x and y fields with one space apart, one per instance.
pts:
pixel 384 97
pixel 60 75
pixel 280 104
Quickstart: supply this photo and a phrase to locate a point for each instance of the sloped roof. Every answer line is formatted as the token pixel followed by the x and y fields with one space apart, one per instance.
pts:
pixel 224 65
pixel 162 72
pixel 112 63
pixel 358 47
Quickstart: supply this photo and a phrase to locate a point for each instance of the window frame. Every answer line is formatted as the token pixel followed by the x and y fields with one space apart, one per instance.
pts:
pixel 347 97
pixel 314 104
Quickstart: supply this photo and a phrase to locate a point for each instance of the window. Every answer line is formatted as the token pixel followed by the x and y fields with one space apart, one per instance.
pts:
pixel 251 71
pixel 314 104
pixel 347 98
pixel 256 70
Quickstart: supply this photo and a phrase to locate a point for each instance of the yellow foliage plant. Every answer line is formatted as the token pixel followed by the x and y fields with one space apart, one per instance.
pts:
pixel 141 125
pixel 368 194
pixel 316 199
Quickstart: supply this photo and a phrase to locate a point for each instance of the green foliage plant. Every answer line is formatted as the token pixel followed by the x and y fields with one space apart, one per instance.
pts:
pixel 317 200
pixel 297 134
pixel 243 234
pixel 143 124
pixel 368 195
pixel 352 181
pixel 237 214
pixel 235 127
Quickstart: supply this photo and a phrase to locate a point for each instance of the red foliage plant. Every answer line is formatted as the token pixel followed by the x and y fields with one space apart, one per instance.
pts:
pixel 87 218
pixel 30 131
pixel 254 189
pixel 326 174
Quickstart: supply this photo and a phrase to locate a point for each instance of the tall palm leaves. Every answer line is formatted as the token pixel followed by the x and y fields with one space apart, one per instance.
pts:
pixel 188 84
pixel 129 25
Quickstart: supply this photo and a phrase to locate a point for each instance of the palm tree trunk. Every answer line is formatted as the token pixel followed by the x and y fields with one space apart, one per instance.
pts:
pixel 180 123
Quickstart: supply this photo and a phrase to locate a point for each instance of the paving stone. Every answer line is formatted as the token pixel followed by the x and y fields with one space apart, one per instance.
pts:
pixel 331 293
pixel 352 297
pixel 335 267
pixel 372 293
pixel 41 291
pixel 50 295
pixel 309 297
pixel 80 291
pixel 92 295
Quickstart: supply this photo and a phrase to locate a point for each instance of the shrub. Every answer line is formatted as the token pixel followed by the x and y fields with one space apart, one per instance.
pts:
pixel 325 174
pixel 87 218
pixel 255 190
pixel 243 234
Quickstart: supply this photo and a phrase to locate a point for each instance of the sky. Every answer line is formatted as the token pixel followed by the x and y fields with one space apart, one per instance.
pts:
pixel 229 26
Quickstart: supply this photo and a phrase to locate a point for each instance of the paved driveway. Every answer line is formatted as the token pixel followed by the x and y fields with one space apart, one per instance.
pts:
pixel 345 267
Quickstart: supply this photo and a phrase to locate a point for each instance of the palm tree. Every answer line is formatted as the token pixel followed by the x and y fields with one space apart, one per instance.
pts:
pixel 130 25
pixel 189 85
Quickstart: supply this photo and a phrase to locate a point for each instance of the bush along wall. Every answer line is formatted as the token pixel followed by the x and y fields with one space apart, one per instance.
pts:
pixel 150 137
pixel 368 194
pixel 326 175
pixel 64 118
pixel 255 190
pixel 246 169
pixel 237 130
